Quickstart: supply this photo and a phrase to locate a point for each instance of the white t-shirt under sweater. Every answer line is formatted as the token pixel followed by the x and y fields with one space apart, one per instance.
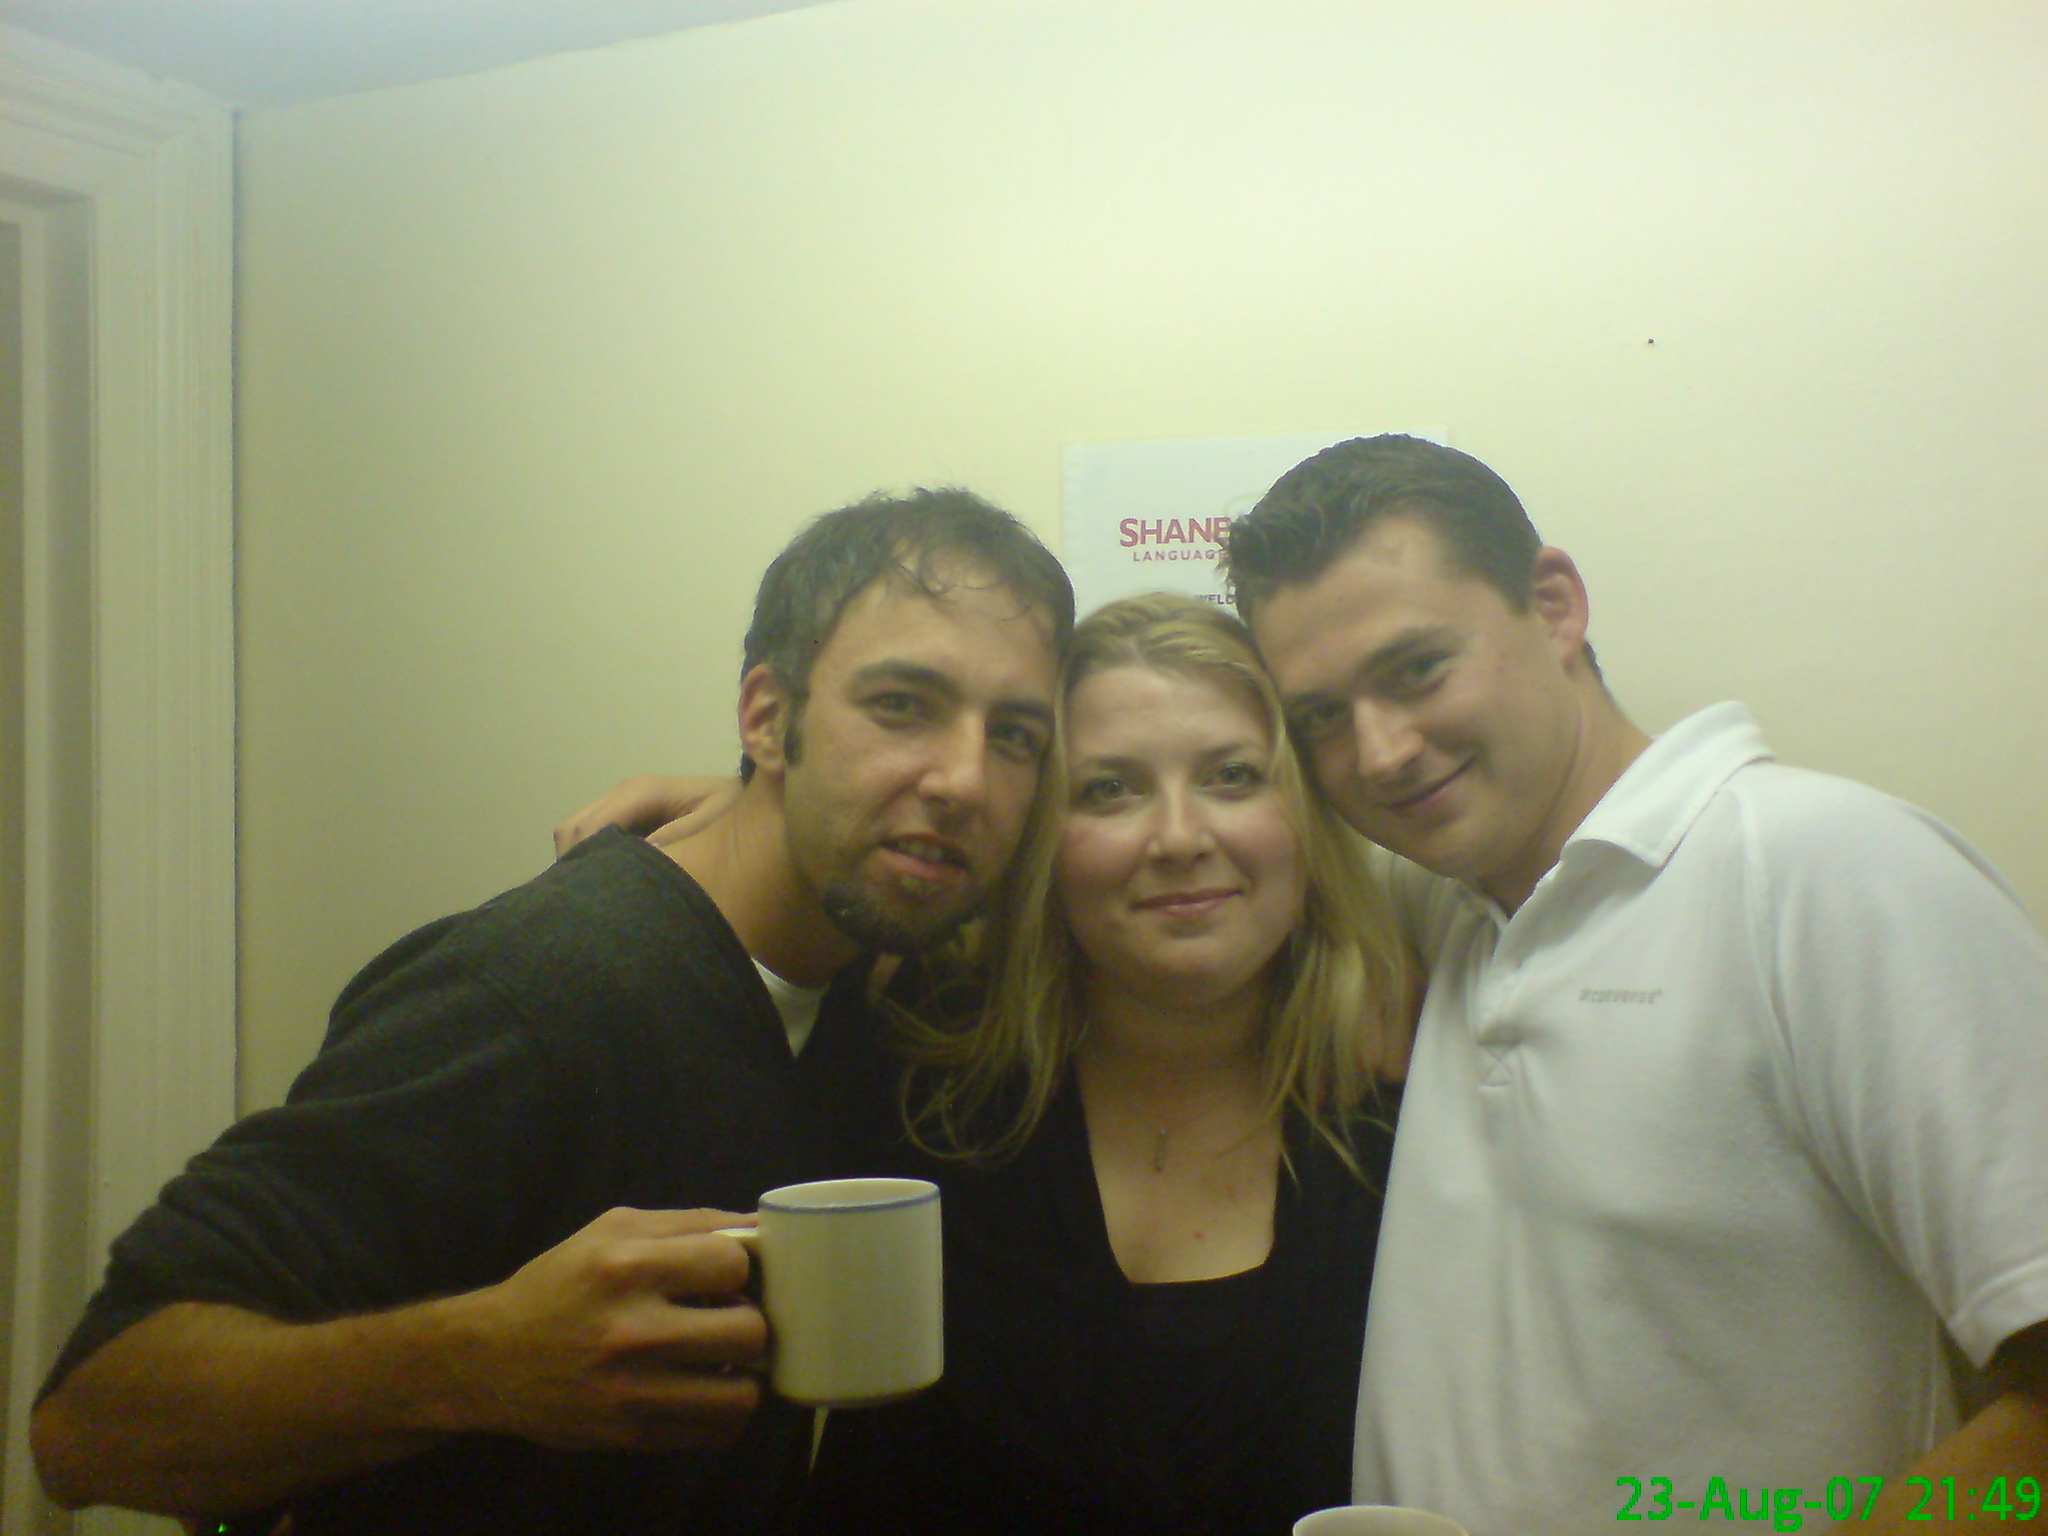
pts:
pixel 797 1005
pixel 1702 1148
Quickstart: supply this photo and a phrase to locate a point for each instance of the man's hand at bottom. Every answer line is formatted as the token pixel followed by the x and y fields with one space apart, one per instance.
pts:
pixel 631 1334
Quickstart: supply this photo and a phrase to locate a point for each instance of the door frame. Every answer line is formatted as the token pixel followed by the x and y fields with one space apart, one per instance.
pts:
pixel 131 1070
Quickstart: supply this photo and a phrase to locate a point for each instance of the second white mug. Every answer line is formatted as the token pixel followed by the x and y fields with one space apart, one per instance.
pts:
pixel 1376 1520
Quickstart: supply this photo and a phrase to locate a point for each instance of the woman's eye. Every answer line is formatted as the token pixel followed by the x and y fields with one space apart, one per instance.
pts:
pixel 1238 776
pixel 1100 791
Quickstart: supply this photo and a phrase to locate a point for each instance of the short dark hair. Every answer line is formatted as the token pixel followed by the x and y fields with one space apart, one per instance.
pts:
pixel 911 538
pixel 1316 511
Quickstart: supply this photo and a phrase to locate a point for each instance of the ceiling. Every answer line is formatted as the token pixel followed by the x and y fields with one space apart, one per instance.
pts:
pixel 268 53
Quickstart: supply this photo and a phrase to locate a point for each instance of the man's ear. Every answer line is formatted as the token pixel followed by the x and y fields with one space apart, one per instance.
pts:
pixel 764 718
pixel 1557 596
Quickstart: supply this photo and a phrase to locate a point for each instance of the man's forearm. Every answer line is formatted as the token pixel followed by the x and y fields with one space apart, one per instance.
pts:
pixel 204 1409
pixel 627 1335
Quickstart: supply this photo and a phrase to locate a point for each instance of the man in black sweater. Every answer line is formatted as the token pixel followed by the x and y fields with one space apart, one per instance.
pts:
pixel 466 1277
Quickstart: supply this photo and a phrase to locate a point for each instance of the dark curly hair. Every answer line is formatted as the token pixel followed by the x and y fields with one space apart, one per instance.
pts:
pixel 923 539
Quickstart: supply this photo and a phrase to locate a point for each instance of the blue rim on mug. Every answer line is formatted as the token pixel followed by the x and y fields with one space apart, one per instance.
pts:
pixel 907 1192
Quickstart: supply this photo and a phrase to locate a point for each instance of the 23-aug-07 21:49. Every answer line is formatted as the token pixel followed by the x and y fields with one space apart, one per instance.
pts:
pixel 1845 1499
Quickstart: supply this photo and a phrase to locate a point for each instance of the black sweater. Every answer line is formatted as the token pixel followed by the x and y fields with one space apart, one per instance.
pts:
pixel 597 1037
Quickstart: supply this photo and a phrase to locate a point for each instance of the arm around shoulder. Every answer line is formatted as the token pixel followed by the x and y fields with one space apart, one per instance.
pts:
pixel 663 808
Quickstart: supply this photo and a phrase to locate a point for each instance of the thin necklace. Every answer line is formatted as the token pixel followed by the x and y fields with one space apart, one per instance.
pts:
pixel 1162 1136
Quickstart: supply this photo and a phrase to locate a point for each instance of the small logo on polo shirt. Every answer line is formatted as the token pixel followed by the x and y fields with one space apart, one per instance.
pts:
pixel 1619 995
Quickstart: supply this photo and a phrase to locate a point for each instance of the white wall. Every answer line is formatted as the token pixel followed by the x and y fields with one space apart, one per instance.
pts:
pixel 539 367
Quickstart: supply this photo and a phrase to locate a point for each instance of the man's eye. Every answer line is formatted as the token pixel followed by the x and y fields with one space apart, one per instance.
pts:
pixel 1319 721
pixel 1418 671
pixel 1019 740
pixel 899 705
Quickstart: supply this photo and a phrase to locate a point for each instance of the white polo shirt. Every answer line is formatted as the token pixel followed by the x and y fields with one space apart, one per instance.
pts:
pixel 1702 1147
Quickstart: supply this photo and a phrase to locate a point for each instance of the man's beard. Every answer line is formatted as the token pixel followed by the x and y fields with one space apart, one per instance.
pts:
pixel 856 912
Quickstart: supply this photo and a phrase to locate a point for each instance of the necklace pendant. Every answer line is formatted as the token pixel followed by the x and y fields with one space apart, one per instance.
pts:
pixel 1159 1152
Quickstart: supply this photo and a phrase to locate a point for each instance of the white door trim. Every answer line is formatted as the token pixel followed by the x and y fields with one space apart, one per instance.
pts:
pixel 148 1039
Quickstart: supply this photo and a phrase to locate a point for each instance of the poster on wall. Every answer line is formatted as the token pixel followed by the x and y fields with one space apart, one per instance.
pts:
pixel 1148 516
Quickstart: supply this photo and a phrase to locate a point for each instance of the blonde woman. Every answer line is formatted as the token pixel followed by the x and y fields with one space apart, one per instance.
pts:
pixel 1156 1129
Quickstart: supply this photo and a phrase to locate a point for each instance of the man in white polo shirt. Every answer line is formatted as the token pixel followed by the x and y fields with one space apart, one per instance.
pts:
pixel 1730 1095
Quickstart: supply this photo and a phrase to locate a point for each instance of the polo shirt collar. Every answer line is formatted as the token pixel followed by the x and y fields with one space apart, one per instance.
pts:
pixel 1654 803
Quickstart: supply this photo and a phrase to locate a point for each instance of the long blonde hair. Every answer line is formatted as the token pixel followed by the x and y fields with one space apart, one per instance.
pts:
pixel 982 1078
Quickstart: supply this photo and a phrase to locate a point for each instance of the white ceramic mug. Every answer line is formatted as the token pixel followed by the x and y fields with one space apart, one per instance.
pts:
pixel 1376 1520
pixel 850 1281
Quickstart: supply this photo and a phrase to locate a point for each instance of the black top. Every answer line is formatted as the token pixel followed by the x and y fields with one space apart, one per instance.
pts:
pixel 1066 1406
pixel 1179 1330
pixel 597 1037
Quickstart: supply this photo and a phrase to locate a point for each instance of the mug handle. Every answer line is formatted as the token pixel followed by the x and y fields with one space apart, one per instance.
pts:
pixel 749 1238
